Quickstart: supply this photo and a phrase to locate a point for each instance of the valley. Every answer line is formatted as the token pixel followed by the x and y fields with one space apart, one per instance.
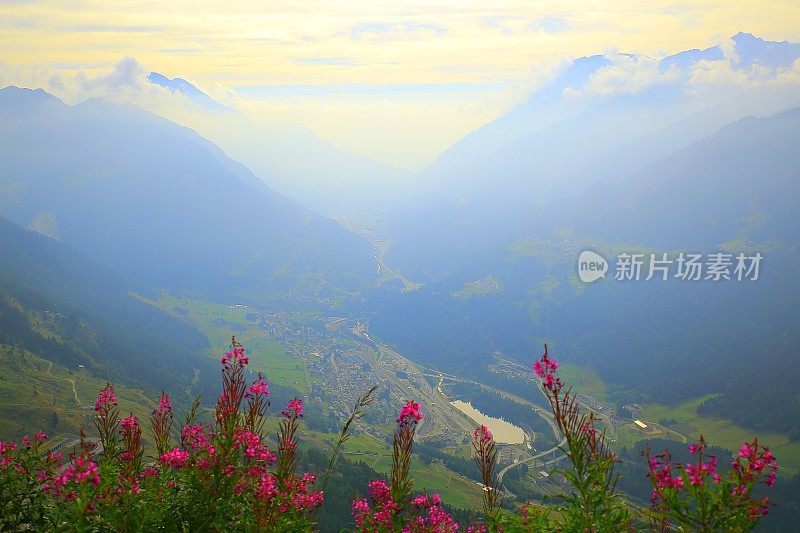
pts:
pixel 465 208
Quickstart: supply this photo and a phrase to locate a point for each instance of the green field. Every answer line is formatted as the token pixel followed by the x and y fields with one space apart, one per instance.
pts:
pixel 221 321
pixel 724 432
pixel 583 379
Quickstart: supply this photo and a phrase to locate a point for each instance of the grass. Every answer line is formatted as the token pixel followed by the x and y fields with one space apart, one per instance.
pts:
pixel 723 432
pixel 221 321
pixel 32 389
pixel 584 379
pixel 453 488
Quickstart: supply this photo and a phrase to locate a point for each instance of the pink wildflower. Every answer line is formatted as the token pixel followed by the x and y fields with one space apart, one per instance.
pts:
pixel 175 458
pixel 409 413
pixel 237 356
pixel 482 434
pixel 545 368
pixel 293 409
pixel 164 403
pixel 106 398
pixel 259 387
pixel 128 423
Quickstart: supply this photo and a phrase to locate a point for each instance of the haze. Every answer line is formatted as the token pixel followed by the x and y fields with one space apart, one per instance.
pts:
pixel 395 81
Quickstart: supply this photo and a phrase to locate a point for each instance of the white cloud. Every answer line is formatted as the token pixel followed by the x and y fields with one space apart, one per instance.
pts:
pixel 627 74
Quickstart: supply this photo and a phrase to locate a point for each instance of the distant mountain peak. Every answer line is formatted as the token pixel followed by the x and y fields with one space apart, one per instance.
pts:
pixel 12 91
pixel 191 92
pixel 751 50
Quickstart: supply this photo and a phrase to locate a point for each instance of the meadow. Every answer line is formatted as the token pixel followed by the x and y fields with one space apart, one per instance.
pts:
pixel 220 321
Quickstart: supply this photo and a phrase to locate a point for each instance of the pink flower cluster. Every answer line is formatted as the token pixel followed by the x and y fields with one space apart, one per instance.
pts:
pixel 300 494
pixel 6 448
pixel 432 516
pixel 194 436
pixel 427 513
pixel 545 368
pixel 235 357
pixel 259 387
pixel 294 492
pixel 164 403
pixel 128 423
pixel 698 471
pixel 105 399
pixel 82 471
pixel 252 447
pixel 176 458
pixel 38 438
pixel 749 467
pixel 757 462
pixel 667 475
pixel 294 409
pixel 409 414
pixel 661 473
pixel 482 435
pixel 233 445
pixel 384 506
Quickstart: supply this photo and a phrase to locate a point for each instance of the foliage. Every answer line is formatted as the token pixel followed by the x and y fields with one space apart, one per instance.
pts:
pixel 693 496
pixel 223 475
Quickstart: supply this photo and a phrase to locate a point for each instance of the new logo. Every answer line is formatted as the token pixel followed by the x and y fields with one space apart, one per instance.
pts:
pixel 591 266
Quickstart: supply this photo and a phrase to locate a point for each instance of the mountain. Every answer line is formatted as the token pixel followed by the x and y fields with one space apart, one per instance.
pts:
pixel 589 128
pixel 67 309
pixel 161 205
pixel 292 160
pixel 179 85
pixel 612 88
pixel 735 191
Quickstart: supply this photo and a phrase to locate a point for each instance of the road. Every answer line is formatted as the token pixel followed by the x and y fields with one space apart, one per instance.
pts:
pixel 552 450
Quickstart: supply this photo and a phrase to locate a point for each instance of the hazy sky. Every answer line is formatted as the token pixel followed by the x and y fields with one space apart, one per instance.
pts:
pixel 399 81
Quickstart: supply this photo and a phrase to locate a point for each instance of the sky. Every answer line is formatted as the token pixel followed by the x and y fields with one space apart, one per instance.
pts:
pixel 396 81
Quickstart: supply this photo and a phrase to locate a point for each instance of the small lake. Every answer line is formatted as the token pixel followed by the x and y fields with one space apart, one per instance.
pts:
pixel 503 432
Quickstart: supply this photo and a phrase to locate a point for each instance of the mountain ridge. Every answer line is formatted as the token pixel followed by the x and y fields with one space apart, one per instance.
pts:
pixel 167 175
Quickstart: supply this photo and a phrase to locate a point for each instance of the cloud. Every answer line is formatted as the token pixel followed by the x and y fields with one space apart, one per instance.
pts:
pixel 630 74
pixel 712 75
pixel 549 25
pixel 627 74
pixel 331 61
pixel 385 31
pixel 127 74
pixel 125 83
pixel 112 28
pixel 728 47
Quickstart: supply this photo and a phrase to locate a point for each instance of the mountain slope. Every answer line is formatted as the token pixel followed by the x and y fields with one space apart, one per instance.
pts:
pixel 63 307
pixel 589 128
pixel 160 204
pixel 291 159
pixel 651 341
pixel 664 91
